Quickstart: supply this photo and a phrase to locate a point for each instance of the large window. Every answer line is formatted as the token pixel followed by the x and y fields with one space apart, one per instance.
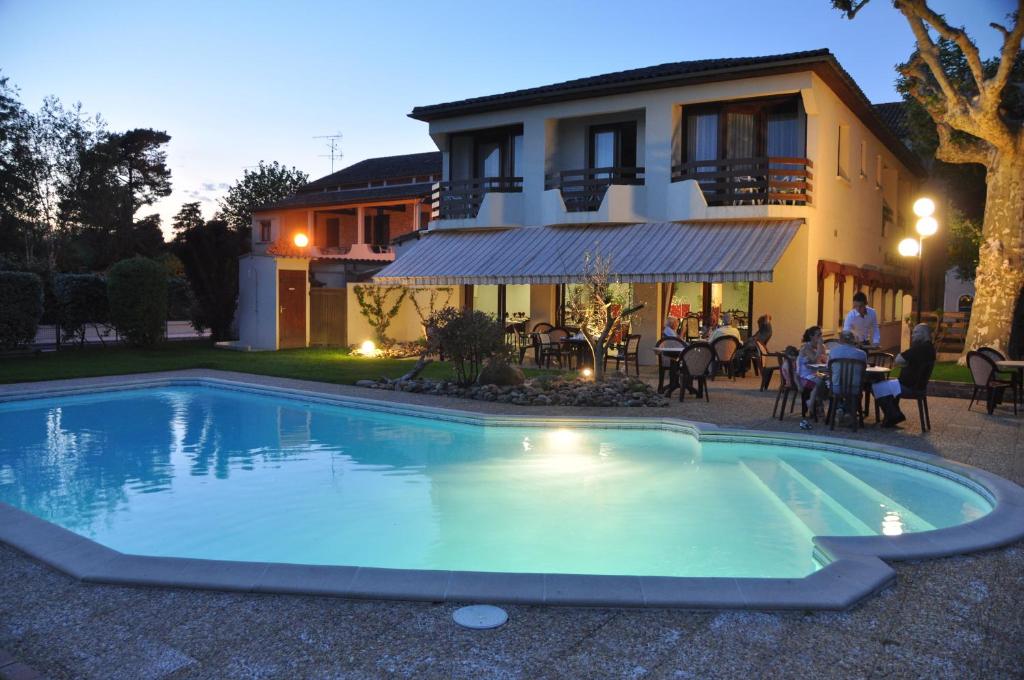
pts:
pixel 747 129
pixel 613 146
pixel 488 153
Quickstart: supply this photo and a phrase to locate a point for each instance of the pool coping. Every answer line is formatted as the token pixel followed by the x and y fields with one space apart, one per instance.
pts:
pixel 855 566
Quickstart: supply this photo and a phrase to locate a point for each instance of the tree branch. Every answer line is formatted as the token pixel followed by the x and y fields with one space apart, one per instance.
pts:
pixel 929 52
pixel 952 150
pixel 921 10
pixel 1007 56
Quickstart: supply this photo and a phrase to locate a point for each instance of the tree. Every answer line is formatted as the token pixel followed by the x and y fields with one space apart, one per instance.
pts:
pixel 964 245
pixel 977 116
pixel 188 217
pixel 138 163
pixel 373 305
pixel 593 307
pixel 209 253
pixel 268 183
pixel 17 170
pixel 427 301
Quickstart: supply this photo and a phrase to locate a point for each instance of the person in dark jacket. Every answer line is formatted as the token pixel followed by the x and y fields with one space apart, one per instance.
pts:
pixel 914 365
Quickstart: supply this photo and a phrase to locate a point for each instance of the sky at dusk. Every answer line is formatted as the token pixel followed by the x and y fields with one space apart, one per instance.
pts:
pixel 234 83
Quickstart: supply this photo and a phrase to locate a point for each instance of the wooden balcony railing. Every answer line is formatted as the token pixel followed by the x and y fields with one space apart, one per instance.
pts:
pixel 750 181
pixel 461 199
pixel 583 190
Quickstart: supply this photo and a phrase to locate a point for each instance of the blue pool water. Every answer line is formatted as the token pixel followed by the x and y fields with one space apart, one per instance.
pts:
pixel 213 473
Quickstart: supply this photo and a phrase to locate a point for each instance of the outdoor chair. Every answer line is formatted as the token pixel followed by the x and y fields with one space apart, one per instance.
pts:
pixel 542 327
pixel 690 326
pixel 984 373
pixel 725 348
pixel 544 349
pixel 694 366
pixel 918 393
pixel 558 348
pixel 996 356
pixel 789 385
pixel 886 359
pixel 846 381
pixel 665 362
pixel 761 365
pixel 624 353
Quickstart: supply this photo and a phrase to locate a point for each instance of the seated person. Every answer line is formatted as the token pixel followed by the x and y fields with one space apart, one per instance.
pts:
pixel 812 351
pixel 748 352
pixel 671 329
pixel 846 349
pixel 862 321
pixel 914 362
pixel 725 329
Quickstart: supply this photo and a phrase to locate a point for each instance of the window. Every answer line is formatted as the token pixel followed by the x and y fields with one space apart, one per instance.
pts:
pixel 843 152
pixel 333 228
pixel 377 228
pixel 613 146
pixel 863 160
pixel 264 231
pixel 488 153
pixel 879 169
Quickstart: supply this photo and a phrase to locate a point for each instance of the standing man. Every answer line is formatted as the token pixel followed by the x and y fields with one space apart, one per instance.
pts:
pixel 862 321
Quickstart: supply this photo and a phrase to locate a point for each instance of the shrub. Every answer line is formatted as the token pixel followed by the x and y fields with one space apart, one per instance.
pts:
pixel 21 306
pixel 180 301
pixel 468 338
pixel 81 301
pixel 137 294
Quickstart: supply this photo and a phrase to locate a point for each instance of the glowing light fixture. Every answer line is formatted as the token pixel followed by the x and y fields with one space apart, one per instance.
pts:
pixel 587 372
pixel 909 247
pixel 301 240
pixel 924 207
pixel 368 349
pixel 926 226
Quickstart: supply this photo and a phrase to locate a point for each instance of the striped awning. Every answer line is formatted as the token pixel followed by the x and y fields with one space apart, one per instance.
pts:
pixel 661 252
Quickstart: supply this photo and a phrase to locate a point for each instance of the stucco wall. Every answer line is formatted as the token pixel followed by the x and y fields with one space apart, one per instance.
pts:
pixel 405 327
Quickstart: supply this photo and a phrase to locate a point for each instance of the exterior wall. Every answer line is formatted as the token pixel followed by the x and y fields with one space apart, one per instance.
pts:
pixel 405 327
pixel 791 296
pixel 257 302
pixel 258 299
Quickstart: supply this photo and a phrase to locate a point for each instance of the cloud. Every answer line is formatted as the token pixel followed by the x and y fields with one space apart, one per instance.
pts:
pixel 215 186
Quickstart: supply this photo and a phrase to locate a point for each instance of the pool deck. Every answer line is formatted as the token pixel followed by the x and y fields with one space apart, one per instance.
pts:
pixel 951 617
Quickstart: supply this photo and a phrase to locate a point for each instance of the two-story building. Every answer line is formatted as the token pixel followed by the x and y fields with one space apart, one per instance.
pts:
pixel 752 185
pixel 336 230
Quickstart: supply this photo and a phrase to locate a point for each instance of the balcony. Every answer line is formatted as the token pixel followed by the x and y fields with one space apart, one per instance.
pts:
pixel 461 199
pixel 584 190
pixel 355 251
pixel 771 180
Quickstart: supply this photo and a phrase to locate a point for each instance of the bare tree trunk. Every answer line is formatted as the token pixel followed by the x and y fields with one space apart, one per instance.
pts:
pixel 1000 263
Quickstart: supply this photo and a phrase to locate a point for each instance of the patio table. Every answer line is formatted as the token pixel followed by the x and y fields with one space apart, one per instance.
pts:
pixel 1013 365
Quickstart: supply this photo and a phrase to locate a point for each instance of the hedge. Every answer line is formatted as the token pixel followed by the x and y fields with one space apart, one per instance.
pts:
pixel 81 301
pixel 137 294
pixel 21 306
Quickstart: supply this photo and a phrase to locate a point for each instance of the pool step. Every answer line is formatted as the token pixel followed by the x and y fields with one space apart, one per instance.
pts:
pixel 869 505
pixel 821 513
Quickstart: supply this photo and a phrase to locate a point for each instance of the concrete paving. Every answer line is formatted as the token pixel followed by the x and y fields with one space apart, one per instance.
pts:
pixel 954 617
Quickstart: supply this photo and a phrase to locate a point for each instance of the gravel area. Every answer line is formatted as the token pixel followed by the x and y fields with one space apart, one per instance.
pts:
pixel 957 617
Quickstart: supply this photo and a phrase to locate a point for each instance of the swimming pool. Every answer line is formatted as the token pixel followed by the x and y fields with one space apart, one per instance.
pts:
pixel 200 471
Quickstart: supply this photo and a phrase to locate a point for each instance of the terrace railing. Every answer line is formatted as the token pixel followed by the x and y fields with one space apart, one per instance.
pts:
pixel 461 199
pixel 767 180
pixel 583 190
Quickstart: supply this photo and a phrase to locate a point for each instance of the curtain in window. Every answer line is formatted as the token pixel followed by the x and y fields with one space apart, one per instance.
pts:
pixel 741 139
pixel 702 137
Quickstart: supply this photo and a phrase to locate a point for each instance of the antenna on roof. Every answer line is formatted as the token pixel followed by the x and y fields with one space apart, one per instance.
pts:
pixel 333 144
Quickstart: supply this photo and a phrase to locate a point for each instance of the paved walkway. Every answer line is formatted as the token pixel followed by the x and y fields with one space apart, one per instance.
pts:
pixel 951 618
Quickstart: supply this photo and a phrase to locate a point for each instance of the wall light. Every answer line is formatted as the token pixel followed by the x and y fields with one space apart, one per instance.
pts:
pixel 301 240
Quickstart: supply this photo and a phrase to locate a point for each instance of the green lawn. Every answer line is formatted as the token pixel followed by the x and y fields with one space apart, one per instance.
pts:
pixel 326 365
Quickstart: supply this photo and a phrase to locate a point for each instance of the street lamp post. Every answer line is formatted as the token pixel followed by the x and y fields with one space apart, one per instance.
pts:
pixel 909 247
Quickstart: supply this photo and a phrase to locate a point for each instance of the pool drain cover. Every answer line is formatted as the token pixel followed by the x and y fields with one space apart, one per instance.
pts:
pixel 480 616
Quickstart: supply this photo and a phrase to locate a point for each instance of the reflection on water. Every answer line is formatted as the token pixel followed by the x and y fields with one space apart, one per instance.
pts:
pixel 202 472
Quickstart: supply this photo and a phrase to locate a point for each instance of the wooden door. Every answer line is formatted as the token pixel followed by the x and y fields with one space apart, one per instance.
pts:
pixel 291 300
